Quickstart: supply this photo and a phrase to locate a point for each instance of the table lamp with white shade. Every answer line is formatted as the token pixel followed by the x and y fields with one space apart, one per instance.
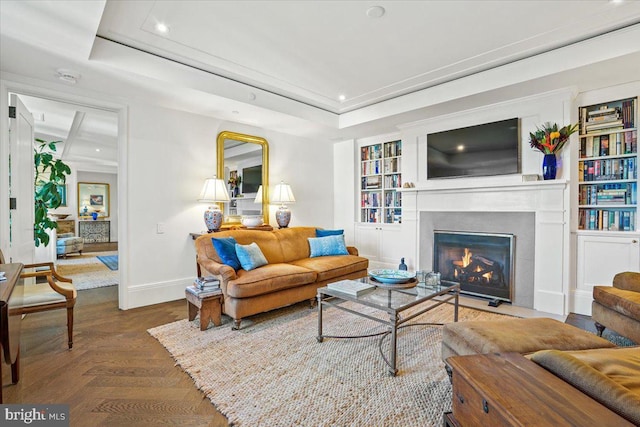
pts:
pixel 283 194
pixel 213 191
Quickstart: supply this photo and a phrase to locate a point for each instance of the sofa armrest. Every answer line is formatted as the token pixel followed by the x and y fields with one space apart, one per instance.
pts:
pixel 352 250
pixel 606 375
pixel 223 271
pixel 628 281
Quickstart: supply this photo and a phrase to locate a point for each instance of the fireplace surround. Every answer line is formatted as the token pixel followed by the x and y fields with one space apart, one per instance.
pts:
pixel 521 225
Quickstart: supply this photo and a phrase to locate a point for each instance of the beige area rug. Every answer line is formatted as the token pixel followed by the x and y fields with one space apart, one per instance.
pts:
pixel 87 271
pixel 275 373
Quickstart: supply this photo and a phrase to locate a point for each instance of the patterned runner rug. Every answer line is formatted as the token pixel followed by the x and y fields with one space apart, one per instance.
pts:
pixel 87 271
pixel 273 372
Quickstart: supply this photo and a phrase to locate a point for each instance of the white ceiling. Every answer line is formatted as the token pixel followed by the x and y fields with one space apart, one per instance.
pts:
pixel 89 136
pixel 282 65
pixel 314 51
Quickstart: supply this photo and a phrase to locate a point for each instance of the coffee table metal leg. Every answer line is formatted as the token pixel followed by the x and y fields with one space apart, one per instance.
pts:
pixel 394 341
pixel 455 309
pixel 319 337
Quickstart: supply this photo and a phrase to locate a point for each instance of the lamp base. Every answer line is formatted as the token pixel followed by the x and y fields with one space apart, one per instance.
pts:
pixel 283 217
pixel 213 218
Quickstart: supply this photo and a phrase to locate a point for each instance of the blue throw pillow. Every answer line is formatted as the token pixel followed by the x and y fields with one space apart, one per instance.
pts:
pixel 250 256
pixel 329 245
pixel 226 249
pixel 325 233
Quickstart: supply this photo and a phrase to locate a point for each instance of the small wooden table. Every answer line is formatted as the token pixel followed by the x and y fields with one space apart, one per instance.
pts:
pixel 209 308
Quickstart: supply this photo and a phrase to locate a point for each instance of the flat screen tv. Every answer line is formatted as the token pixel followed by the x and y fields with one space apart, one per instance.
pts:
pixel 251 179
pixel 481 150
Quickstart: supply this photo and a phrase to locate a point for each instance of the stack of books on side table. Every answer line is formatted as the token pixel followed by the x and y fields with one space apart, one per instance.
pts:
pixel 205 287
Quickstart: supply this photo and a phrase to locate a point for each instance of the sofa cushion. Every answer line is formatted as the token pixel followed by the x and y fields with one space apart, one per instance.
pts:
pixel 329 267
pixel 270 278
pixel 294 243
pixel 610 376
pixel 250 256
pixel 620 300
pixel 226 249
pixel 324 233
pixel 327 246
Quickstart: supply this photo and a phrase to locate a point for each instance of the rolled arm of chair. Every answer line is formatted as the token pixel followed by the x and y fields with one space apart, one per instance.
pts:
pixel 628 281
pixel 225 272
pixel 50 271
pixel 67 290
pixel 352 250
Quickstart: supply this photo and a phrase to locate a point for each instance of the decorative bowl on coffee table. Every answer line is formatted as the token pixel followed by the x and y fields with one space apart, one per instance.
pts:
pixel 389 276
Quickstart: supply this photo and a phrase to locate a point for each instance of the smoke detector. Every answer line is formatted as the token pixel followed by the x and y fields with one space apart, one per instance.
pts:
pixel 68 76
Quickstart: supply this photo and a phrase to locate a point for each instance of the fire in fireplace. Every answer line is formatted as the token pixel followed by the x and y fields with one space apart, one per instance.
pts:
pixel 482 263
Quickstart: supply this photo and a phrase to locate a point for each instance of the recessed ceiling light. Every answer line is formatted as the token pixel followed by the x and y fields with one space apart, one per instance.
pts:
pixel 97 149
pixel 68 76
pixel 161 27
pixel 375 12
pixel 460 147
pixel 617 1
pixel 342 97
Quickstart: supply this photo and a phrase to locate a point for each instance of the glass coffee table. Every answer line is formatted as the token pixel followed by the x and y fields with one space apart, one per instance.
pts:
pixel 393 300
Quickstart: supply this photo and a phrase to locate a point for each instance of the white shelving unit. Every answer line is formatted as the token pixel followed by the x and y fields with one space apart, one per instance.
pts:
pixel 607 167
pixel 380 177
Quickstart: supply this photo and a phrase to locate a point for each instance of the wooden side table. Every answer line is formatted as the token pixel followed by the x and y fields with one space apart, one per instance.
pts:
pixel 209 308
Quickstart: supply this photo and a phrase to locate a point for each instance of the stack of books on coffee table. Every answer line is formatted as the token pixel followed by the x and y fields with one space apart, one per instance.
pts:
pixel 351 287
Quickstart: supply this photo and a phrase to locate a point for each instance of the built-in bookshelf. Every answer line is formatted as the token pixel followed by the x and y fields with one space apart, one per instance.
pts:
pixel 607 166
pixel 380 177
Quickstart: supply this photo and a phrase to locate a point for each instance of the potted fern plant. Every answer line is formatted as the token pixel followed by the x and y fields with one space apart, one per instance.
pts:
pixel 50 175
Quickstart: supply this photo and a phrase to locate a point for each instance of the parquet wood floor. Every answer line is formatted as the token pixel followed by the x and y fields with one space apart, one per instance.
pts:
pixel 116 374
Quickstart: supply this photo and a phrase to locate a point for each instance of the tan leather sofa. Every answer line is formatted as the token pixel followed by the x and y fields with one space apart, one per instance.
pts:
pixel 608 375
pixel 289 277
pixel 617 307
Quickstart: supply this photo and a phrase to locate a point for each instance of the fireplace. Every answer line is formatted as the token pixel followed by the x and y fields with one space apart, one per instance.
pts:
pixel 482 263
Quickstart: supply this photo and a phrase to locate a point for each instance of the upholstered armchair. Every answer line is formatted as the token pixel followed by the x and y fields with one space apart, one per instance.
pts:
pixel 56 293
pixel 67 243
pixel 617 307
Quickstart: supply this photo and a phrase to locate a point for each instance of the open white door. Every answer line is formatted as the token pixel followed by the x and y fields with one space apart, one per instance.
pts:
pixel 21 181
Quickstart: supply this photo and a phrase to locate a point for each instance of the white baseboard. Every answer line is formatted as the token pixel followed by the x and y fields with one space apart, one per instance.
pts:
pixel 550 302
pixel 582 302
pixel 155 293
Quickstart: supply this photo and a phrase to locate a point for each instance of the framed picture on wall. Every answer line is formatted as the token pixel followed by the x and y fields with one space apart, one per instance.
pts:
pixel 96 200
pixel 62 189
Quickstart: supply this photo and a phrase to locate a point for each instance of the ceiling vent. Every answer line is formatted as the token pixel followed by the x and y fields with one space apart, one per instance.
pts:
pixel 68 76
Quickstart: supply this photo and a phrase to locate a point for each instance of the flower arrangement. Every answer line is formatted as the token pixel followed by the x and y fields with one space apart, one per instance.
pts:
pixel 549 139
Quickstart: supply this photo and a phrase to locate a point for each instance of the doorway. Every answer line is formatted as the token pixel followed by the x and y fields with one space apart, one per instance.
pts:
pixel 92 137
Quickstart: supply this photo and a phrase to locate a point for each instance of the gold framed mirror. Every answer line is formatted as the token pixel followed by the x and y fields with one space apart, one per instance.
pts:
pixel 243 163
pixel 93 197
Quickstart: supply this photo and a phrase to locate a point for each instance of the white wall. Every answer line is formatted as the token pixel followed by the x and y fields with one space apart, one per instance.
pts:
pixel 170 153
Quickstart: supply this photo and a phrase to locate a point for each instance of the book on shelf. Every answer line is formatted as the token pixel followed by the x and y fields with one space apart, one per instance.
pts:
pixel 351 287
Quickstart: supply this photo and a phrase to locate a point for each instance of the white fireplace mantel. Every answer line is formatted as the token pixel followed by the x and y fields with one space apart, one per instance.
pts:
pixel 446 186
pixel 548 200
